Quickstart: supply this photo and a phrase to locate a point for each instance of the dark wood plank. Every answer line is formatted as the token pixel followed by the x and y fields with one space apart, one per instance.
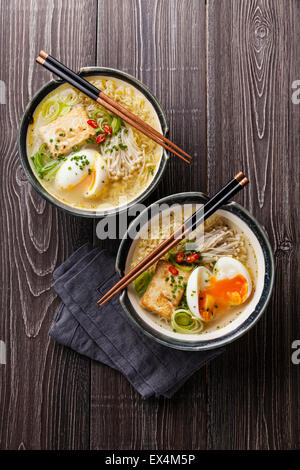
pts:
pixel 44 388
pixel 163 44
pixel 50 398
pixel 253 57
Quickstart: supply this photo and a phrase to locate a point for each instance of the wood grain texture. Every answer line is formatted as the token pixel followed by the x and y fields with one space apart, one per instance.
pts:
pixel 44 390
pixel 238 77
pixel 150 40
pixel 253 57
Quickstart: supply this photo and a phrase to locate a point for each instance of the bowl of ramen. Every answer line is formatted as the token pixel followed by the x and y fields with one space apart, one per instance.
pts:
pixel 84 159
pixel 207 291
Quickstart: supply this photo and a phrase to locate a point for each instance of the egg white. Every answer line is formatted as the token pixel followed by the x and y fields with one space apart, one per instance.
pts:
pixel 197 282
pixel 69 174
pixel 100 177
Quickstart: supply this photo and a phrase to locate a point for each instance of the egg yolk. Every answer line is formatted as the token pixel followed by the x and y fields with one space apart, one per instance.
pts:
pixel 221 294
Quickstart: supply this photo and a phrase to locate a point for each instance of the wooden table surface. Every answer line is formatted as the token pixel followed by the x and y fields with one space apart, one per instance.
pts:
pixel 223 71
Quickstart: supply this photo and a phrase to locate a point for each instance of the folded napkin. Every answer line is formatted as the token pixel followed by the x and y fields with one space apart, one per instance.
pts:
pixel 106 335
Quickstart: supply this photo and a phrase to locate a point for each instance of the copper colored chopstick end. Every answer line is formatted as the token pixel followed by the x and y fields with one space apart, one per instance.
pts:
pixel 40 60
pixel 239 176
pixel 244 181
pixel 43 55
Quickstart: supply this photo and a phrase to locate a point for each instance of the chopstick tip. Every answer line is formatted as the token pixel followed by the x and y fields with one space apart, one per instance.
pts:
pixel 43 54
pixel 244 181
pixel 239 176
pixel 40 60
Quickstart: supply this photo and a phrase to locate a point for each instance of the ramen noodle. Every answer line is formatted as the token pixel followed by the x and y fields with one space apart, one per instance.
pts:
pixel 200 285
pixel 88 157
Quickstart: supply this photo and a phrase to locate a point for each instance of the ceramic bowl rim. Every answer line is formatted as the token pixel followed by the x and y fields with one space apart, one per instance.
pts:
pixel 50 86
pixel 247 324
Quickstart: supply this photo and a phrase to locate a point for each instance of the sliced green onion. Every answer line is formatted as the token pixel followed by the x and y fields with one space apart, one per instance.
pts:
pixel 44 163
pixel 116 124
pixel 64 108
pixel 36 161
pixel 183 267
pixel 44 149
pixel 40 158
pixel 100 122
pixel 50 110
pixel 101 114
pixel 183 321
pixel 52 172
pixel 108 119
pixel 48 167
pixel 141 283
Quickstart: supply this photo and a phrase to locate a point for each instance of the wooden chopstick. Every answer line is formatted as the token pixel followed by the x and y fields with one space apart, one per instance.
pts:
pixel 139 127
pixel 234 185
pixel 86 87
pixel 109 100
pixel 141 122
pixel 239 177
pixel 112 102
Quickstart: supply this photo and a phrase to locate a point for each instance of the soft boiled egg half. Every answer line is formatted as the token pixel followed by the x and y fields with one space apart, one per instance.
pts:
pixel 208 293
pixel 88 166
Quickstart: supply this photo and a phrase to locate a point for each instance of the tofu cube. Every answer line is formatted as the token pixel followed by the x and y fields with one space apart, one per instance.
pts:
pixel 67 131
pixel 160 296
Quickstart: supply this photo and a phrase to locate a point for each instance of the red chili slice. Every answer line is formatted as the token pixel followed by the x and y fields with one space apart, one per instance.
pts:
pixel 173 270
pixel 92 123
pixel 107 129
pixel 192 258
pixel 100 138
pixel 179 257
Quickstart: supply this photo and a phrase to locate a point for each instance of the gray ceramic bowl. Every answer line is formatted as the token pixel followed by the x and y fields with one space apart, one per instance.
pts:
pixel 253 309
pixel 28 117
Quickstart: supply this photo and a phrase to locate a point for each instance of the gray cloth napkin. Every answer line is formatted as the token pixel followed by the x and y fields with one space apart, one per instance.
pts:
pixel 106 335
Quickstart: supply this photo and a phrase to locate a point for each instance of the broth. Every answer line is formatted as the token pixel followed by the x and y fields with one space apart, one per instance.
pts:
pixel 243 252
pixel 129 160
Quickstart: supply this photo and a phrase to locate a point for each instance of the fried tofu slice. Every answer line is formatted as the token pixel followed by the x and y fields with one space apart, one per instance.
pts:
pixel 160 296
pixel 67 131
